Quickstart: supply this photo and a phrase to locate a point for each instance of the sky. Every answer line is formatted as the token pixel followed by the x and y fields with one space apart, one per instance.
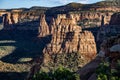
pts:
pixel 8 4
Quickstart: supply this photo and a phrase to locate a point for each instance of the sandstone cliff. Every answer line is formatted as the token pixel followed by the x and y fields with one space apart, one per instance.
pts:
pixel 89 19
pixel 67 37
pixel 44 28
pixel 88 72
pixel 84 19
pixel 10 19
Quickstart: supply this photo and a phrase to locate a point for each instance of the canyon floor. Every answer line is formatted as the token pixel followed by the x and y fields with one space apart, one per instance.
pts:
pixel 16 54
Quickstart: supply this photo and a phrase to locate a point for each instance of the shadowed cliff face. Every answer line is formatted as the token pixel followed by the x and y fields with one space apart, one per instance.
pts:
pixel 113 29
pixel 115 19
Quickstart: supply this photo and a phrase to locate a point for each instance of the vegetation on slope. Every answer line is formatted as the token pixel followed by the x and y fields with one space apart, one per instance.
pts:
pixel 58 74
pixel 72 61
pixel 105 72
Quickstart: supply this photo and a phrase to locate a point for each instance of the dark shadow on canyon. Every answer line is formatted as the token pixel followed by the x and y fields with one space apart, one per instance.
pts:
pixel 25 41
pixel 24 38
pixel 13 75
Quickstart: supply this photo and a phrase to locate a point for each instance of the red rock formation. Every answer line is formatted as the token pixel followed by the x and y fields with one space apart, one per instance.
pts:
pixel 67 37
pixel 93 18
pixel 89 17
pixel 43 28
pixel 90 68
pixel 10 19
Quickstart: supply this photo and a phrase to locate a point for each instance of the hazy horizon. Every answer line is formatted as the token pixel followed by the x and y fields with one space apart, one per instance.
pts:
pixel 5 4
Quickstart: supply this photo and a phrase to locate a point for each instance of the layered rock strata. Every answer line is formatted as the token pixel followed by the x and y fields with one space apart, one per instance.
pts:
pixel 67 37
pixel 86 19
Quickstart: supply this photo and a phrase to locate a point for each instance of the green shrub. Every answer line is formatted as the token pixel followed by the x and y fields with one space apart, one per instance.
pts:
pixel 59 74
pixel 104 72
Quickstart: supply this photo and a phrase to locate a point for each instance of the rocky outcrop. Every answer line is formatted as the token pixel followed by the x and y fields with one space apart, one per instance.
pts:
pixel 111 49
pixel 88 19
pixel 43 28
pixel 85 19
pixel 10 19
pixel 85 15
pixel 67 37
pixel 82 42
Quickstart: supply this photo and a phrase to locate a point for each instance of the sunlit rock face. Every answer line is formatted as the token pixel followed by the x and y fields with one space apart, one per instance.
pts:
pixel 10 18
pixel 88 19
pixel 83 14
pixel 67 37
pixel 110 47
pixel 43 28
pixel 85 19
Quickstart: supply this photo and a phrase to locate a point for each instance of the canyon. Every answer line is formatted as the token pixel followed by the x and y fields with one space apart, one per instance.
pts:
pixel 87 15
pixel 68 35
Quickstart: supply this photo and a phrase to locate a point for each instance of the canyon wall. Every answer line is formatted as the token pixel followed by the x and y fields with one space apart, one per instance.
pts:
pixel 86 19
pixel 109 38
pixel 67 37
pixel 86 15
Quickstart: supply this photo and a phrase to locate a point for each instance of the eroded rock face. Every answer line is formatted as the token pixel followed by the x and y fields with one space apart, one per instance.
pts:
pixel 10 19
pixel 43 28
pixel 18 17
pixel 88 19
pixel 85 19
pixel 67 37
pixel 106 47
